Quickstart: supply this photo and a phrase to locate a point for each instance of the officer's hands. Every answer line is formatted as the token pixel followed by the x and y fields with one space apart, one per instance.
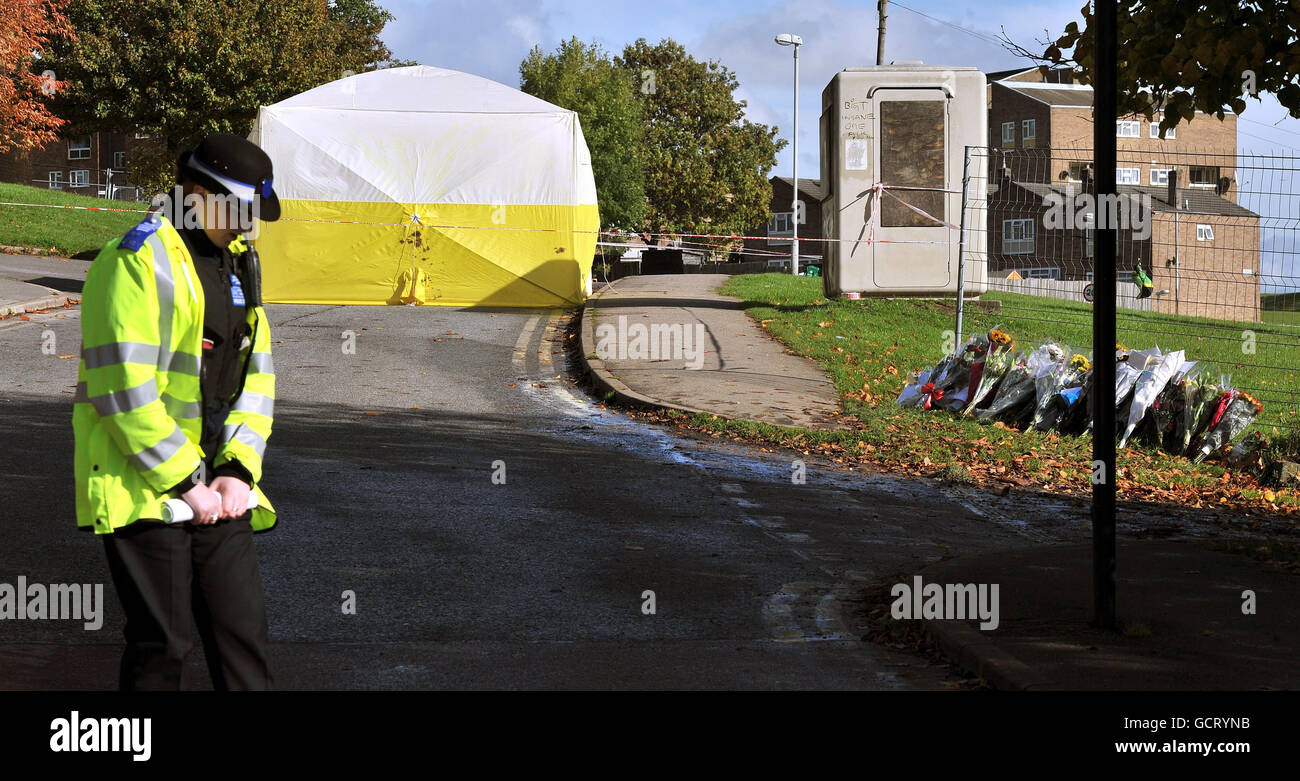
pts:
pixel 234 495
pixel 205 503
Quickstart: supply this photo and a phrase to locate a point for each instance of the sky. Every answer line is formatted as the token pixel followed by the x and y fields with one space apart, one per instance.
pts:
pixel 490 38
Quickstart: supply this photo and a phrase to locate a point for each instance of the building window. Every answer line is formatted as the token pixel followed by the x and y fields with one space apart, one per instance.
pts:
pixel 1008 133
pixel 56 180
pixel 79 178
pixel 1128 176
pixel 1046 272
pixel 119 160
pixel 1017 237
pixel 79 148
pixel 1204 233
pixel 781 223
pixel 1128 129
pixel 1203 175
pixel 1088 235
pixel 1029 131
pixel 1170 134
pixel 1160 175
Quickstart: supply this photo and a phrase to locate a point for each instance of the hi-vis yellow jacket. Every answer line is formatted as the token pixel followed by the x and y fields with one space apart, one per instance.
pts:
pixel 138 411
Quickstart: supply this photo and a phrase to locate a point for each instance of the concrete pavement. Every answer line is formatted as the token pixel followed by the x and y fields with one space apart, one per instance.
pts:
pixel 741 373
pixel 20 297
pixel 1190 618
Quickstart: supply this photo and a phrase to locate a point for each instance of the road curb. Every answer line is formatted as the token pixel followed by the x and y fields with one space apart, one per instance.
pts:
pixel 976 652
pixel 971 650
pixel 607 385
pixel 35 305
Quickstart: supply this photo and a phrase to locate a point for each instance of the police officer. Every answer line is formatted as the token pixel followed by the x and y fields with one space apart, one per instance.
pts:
pixel 175 398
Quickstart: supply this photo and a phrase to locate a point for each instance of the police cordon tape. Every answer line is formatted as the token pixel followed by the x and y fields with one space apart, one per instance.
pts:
pixel 179 510
pixel 416 222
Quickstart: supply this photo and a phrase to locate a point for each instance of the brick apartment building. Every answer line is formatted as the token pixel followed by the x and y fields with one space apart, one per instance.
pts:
pixel 92 164
pixel 1203 249
pixel 780 229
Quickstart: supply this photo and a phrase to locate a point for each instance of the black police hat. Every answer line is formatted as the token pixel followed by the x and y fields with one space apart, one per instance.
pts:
pixel 225 163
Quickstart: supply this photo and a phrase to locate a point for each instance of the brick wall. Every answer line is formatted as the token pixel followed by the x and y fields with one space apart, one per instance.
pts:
pixel 90 153
pixel 1207 280
pixel 1206 141
pixel 811 227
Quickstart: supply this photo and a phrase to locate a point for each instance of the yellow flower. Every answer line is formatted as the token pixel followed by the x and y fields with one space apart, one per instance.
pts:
pixel 1081 362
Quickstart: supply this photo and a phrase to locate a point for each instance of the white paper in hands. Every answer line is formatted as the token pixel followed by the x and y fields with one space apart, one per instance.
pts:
pixel 179 511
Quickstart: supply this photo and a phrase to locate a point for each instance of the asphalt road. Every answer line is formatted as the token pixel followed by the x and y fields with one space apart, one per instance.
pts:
pixel 381 466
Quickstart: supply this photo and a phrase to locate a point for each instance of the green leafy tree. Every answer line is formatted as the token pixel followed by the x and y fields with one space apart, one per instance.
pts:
pixel 706 166
pixel 1208 55
pixel 583 79
pixel 180 69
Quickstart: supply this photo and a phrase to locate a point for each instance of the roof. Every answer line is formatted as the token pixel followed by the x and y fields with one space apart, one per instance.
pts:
pixel 1063 95
pixel 1059 95
pixel 810 187
pixel 1000 75
pixel 1054 75
pixel 1199 200
pixel 420 88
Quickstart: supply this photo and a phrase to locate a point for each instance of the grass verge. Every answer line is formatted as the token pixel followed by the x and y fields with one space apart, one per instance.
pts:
pixel 64 232
pixel 869 348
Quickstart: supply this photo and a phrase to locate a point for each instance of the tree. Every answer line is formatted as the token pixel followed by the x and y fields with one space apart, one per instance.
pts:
pixel 706 166
pixel 583 79
pixel 27 27
pixel 180 69
pixel 358 47
pixel 1179 56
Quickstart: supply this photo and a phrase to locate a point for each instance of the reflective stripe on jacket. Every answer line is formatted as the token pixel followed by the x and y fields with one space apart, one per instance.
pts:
pixel 137 415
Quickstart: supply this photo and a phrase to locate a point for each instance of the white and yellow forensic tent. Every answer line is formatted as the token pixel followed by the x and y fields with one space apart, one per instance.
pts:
pixel 427 186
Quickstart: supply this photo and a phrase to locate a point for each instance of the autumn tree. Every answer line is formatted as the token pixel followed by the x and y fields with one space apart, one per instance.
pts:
pixel 177 70
pixel 1187 56
pixel 706 165
pixel 27 27
pixel 583 79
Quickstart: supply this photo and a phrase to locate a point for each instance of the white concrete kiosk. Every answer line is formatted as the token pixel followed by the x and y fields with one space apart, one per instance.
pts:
pixel 901 126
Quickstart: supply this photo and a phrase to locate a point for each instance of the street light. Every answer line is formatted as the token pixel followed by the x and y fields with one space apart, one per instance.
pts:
pixel 787 39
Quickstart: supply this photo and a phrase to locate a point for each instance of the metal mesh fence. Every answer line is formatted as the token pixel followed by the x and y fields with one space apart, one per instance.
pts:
pixel 1208 257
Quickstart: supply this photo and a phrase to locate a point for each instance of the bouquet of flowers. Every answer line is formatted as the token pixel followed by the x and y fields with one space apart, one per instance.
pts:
pixel 1200 392
pixel 1234 412
pixel 1078 418
pixel 920 393
pixel 955 387
pixel 1019 385
pixel 1167 411
pixel 1150 383
pixel 910 397
pixel 1066 386
pixel 996 365
pixel 1129 368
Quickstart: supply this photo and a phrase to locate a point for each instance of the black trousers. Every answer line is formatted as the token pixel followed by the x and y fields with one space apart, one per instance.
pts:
pixel 172 577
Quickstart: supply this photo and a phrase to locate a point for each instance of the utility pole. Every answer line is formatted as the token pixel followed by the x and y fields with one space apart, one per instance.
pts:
pixel 1105 81
pixel 883 6
pixel 796 207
